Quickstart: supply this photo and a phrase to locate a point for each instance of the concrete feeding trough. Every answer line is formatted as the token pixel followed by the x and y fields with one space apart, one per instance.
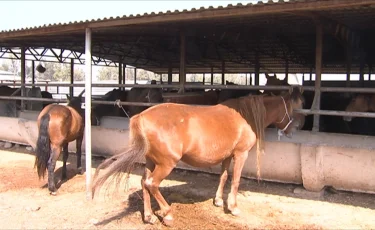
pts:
pixel 345 162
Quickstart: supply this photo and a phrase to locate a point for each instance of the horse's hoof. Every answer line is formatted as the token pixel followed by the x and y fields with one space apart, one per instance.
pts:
pixel 53 193
pixel 168 220
pixel 236 212
pixel 151 219
pixel 219 202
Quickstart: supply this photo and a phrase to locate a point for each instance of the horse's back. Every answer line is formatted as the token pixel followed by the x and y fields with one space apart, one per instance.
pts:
pixel 200 135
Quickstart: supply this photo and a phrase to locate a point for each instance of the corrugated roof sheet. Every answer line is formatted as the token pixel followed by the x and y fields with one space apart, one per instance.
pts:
pixel 168 12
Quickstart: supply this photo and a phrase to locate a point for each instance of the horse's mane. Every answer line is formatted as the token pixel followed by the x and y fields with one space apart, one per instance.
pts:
pixel 252 109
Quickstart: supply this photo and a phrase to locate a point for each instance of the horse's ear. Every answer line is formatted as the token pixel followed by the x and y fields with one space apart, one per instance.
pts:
pixel 67 97
pixel 267 76
pixel 285 80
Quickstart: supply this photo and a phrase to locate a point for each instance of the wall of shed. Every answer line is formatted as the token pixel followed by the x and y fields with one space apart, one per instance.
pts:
pixel 315 160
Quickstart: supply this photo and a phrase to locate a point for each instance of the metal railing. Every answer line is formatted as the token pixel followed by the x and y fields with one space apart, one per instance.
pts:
pixel 236 87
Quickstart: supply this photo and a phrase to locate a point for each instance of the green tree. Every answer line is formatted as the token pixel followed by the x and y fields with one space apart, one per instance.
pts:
pixel 13 65
pixel 108 73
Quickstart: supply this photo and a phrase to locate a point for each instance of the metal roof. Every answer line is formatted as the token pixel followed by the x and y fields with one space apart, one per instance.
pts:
pixel 276 32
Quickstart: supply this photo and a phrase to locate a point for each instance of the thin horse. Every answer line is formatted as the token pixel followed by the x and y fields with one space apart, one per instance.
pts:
pixel 199 136
pixel 58 125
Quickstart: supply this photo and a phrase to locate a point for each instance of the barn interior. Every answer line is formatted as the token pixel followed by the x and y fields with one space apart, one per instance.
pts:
pixel 312 37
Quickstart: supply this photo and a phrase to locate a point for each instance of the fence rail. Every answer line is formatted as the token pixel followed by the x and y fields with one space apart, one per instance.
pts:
pixel 302 111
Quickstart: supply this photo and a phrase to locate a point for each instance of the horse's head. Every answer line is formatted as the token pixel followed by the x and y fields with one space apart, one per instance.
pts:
pixel 75 102
pixel 360 103
pixel 274 81
pixel 289 120
pixel 148 95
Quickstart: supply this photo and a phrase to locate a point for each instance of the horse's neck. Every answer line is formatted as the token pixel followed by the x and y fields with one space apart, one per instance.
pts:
pixel 275 110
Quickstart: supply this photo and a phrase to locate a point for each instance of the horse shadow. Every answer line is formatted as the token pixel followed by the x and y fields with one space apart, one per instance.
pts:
pixel 191 192
pixel 188 193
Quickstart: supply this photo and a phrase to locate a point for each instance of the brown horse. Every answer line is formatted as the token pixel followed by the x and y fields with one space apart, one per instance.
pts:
pixel 360 103
pixel 200 136
pixel 58 125
pixel 299 119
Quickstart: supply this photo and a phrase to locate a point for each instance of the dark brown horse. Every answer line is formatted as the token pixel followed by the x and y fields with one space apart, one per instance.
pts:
pixel 226 94
pixel 209 97
pixel 111 110
pixel 200 136
pixel 58 125
pixel 148 95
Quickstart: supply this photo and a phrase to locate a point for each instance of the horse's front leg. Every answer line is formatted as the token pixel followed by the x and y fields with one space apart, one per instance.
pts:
pixel 79 153
pixel 223 178
pixel 239 161
pixel 65 159
pixel 56 150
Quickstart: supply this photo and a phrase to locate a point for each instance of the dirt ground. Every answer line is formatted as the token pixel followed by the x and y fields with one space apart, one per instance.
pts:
pixel 26 204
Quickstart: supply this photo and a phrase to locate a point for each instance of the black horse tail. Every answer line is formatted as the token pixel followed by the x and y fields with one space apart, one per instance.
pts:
pixel 43 147
pixel 125 161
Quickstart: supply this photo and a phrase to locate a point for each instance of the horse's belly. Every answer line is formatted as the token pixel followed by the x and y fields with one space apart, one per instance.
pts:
pixel 203 160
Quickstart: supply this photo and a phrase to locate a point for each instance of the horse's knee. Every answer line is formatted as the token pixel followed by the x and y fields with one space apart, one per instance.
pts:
pixel 150 184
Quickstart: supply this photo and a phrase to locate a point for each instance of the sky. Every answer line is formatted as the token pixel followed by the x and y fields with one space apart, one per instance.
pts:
pixel 21 14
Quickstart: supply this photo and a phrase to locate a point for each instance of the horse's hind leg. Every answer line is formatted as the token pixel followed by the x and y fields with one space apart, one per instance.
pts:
pixel 239 161
pixel 56 150
pixel 149 217
pixel 223 178
pixel 152 184
pixel 65 159
pixel 79 153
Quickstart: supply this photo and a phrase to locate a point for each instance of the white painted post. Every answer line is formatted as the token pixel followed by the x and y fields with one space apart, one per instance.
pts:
pixel 88 79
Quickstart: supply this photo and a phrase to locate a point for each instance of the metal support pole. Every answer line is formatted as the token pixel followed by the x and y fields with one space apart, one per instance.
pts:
pixel 88 78
pixel 135 75
pixel 71 88
pixel 348 64
pixel 212 75
pixel 170 74
pixel 361 69
pixel 318 74
pixel 287 70
pixel 120 72
pixel 33 72
pixel 223 72
pixel 23 77
pixel 257 68
pixel 123 76
pixel 182 78
pixel 369 72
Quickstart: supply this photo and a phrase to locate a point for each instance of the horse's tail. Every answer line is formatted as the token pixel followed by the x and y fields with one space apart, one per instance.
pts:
pixel 125 161
pixel 43 147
